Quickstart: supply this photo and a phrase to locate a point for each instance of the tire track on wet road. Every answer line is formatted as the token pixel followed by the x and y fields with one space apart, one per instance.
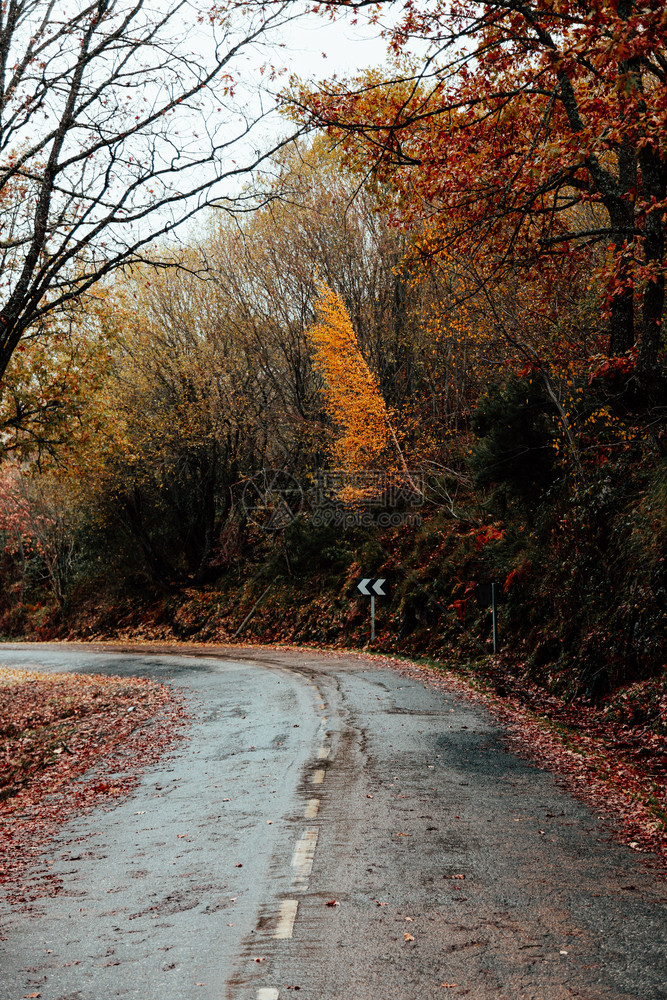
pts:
pixel 309 780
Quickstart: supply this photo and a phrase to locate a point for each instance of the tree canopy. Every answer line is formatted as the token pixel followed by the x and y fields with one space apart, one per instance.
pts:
pixel 118 121
pixel 530 130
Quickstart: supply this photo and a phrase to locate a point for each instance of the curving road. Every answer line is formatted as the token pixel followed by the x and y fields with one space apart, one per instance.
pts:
pixel 456 868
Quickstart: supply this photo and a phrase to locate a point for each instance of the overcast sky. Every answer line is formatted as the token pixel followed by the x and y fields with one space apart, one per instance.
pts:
pixel 348 48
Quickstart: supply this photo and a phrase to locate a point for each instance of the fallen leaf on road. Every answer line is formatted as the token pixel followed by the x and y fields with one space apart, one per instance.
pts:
pixel 379 903
pixel 410 919
pixel 31 994
pixel 458 876
pixel 449 986
pixel 408 937
pixel 333 902
pixel 403 834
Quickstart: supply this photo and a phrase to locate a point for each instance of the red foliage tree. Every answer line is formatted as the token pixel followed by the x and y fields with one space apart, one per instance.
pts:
pixel 530 130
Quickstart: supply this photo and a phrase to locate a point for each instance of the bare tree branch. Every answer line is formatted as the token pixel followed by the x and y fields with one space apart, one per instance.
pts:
pixel 119 120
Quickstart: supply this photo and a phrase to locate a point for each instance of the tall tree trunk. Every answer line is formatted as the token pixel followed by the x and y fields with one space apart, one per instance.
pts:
pixel 622 218
pixel 654 185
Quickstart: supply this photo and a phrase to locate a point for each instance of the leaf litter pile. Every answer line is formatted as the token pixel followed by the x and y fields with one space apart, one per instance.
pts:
pixel 69 742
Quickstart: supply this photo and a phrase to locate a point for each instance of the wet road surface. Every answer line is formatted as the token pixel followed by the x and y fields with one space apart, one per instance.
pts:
pixel 455 867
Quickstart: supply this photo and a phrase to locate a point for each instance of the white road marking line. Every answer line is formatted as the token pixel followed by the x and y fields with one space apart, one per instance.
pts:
pixel 318 776
pixel 304 854
pixel 323 753
pixel 324 720
pixel 286 918
pixel 312 809
pixel 267 993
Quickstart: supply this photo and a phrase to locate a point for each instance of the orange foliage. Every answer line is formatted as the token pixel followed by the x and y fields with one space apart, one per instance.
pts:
pixel 352 394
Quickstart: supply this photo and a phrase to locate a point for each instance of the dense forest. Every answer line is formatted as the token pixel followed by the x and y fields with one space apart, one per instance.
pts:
pixel 433 351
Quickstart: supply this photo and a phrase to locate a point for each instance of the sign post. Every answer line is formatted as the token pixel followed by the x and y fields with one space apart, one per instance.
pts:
pixel 373 588
pixel 495 618
pixel 489 595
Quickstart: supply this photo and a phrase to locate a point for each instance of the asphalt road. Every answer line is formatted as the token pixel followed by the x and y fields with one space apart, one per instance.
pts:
pixel 457 868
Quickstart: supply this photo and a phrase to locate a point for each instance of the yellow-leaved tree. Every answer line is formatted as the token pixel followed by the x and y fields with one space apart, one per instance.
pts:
pixel 364 432
pixel 351 390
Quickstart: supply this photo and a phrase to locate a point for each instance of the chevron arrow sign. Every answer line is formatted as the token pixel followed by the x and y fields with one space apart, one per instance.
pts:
pixel 373 588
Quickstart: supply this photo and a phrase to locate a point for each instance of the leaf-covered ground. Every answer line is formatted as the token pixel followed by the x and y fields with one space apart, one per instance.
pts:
pixel 67 743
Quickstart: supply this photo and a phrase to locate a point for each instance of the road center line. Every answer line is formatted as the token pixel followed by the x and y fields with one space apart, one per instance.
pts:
pixel 323 753
pixel 312 809
pixel 304 854
pixel 267 993
pixel 318 776
pixel 286 918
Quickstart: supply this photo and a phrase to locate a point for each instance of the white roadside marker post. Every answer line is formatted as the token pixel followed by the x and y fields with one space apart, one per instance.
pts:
pixel 494 616
pixel 489 595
